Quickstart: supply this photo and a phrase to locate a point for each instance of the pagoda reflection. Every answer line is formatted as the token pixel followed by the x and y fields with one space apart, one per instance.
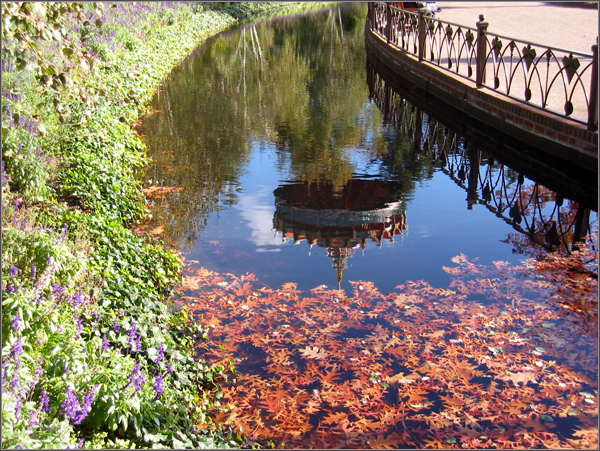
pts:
pixel 339 220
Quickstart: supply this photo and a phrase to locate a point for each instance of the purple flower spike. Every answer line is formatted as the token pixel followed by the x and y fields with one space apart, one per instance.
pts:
pixel 14 271
pixel 105 343
pixel 116 326
pixel 159 385
pixel 15 323
pixel 71 408
pixel 33 272
pixel 45 401
pixel 161 353
pixel 17 349
pixel 132 333
pixel 77 299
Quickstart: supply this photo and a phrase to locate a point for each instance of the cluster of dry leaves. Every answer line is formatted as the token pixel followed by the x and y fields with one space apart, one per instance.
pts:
pixel 505 357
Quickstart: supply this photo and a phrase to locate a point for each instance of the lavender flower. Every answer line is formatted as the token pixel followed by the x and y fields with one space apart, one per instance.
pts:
pixel 161 353
pixel 132 333
pixel 18 407
pixel 79 325
pixel 116 326
pixel 169 368
pixel 137 378
pixel 71 408
pixel 15 323
pixel 17 349
pixel 105 343
pixel 14 271
pixel 38 372
pixel 58 290
pixel 45 401
pixel 67 369
pixel 33 272
pixel 159 385
pixel 77 299
pixel 33 419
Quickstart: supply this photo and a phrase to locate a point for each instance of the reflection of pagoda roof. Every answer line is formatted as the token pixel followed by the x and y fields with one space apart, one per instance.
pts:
pixel 314 212
pixel 340 221
pixel 353 230
pixel 356 195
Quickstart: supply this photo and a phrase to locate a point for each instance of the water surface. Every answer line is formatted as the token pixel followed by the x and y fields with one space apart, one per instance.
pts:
pixel 347 246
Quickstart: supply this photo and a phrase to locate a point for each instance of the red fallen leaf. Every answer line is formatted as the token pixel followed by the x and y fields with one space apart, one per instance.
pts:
pixel 158 230
pixel 216 280
pixel 384 442
pixel 156 191
pixel 314 352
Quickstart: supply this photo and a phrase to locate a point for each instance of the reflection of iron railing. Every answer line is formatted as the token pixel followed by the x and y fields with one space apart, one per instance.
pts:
pixel 561 81
pixel 529 207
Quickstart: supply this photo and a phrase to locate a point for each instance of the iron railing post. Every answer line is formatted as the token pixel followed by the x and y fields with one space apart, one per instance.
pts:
pixel 482 26
pixel 593 104
pixel 422 35
pixel 388 30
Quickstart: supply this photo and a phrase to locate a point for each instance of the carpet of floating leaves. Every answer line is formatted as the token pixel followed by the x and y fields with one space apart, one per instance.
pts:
pixel 504 357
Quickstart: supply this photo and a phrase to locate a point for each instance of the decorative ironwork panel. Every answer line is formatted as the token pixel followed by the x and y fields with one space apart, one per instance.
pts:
pixel 550 78
pixel 531 209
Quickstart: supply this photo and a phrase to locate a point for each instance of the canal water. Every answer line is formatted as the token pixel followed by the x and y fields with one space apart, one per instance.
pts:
pixel 283 164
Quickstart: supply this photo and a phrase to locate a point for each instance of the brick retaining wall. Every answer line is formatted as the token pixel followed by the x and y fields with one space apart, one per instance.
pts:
pixel 566 139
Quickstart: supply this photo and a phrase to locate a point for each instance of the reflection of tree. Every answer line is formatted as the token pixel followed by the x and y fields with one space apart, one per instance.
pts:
pixel 298 87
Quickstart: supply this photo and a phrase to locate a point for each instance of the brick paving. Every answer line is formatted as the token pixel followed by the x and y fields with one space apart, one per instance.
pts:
pixel 568 25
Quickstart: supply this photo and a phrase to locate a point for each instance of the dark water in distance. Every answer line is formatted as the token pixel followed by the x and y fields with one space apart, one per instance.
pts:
pixel 290 171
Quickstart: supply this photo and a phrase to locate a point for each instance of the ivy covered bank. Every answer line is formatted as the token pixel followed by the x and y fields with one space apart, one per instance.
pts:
pixel 92 354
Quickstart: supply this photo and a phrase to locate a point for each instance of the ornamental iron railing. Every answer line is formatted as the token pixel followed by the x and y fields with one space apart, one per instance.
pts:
pixel 533 210
pixel 557 80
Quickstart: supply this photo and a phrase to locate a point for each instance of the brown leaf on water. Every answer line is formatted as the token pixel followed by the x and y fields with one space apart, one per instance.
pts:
pixel 519 378
pixel 313 352
pixel 157 191
pixel 157 231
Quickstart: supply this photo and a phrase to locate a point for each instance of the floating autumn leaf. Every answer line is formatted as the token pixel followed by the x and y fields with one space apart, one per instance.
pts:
pixel 314 352
pixel 157 231
pixel 158 191
pixel 425 366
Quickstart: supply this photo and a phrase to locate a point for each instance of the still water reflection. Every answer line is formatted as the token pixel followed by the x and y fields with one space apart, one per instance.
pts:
pixel 289 171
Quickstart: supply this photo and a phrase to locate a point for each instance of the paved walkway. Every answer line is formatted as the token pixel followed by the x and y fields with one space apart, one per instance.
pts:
pixel 568 25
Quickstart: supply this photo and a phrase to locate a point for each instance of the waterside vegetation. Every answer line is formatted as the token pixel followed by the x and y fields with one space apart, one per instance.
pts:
pixel 93 354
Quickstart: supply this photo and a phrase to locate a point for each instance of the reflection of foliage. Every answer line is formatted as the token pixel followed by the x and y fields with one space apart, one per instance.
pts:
pixel 301 89
pixel 487 362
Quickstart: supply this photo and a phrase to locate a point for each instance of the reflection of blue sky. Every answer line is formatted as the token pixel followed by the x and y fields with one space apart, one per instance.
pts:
pixel 257 210
pixel 255 201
